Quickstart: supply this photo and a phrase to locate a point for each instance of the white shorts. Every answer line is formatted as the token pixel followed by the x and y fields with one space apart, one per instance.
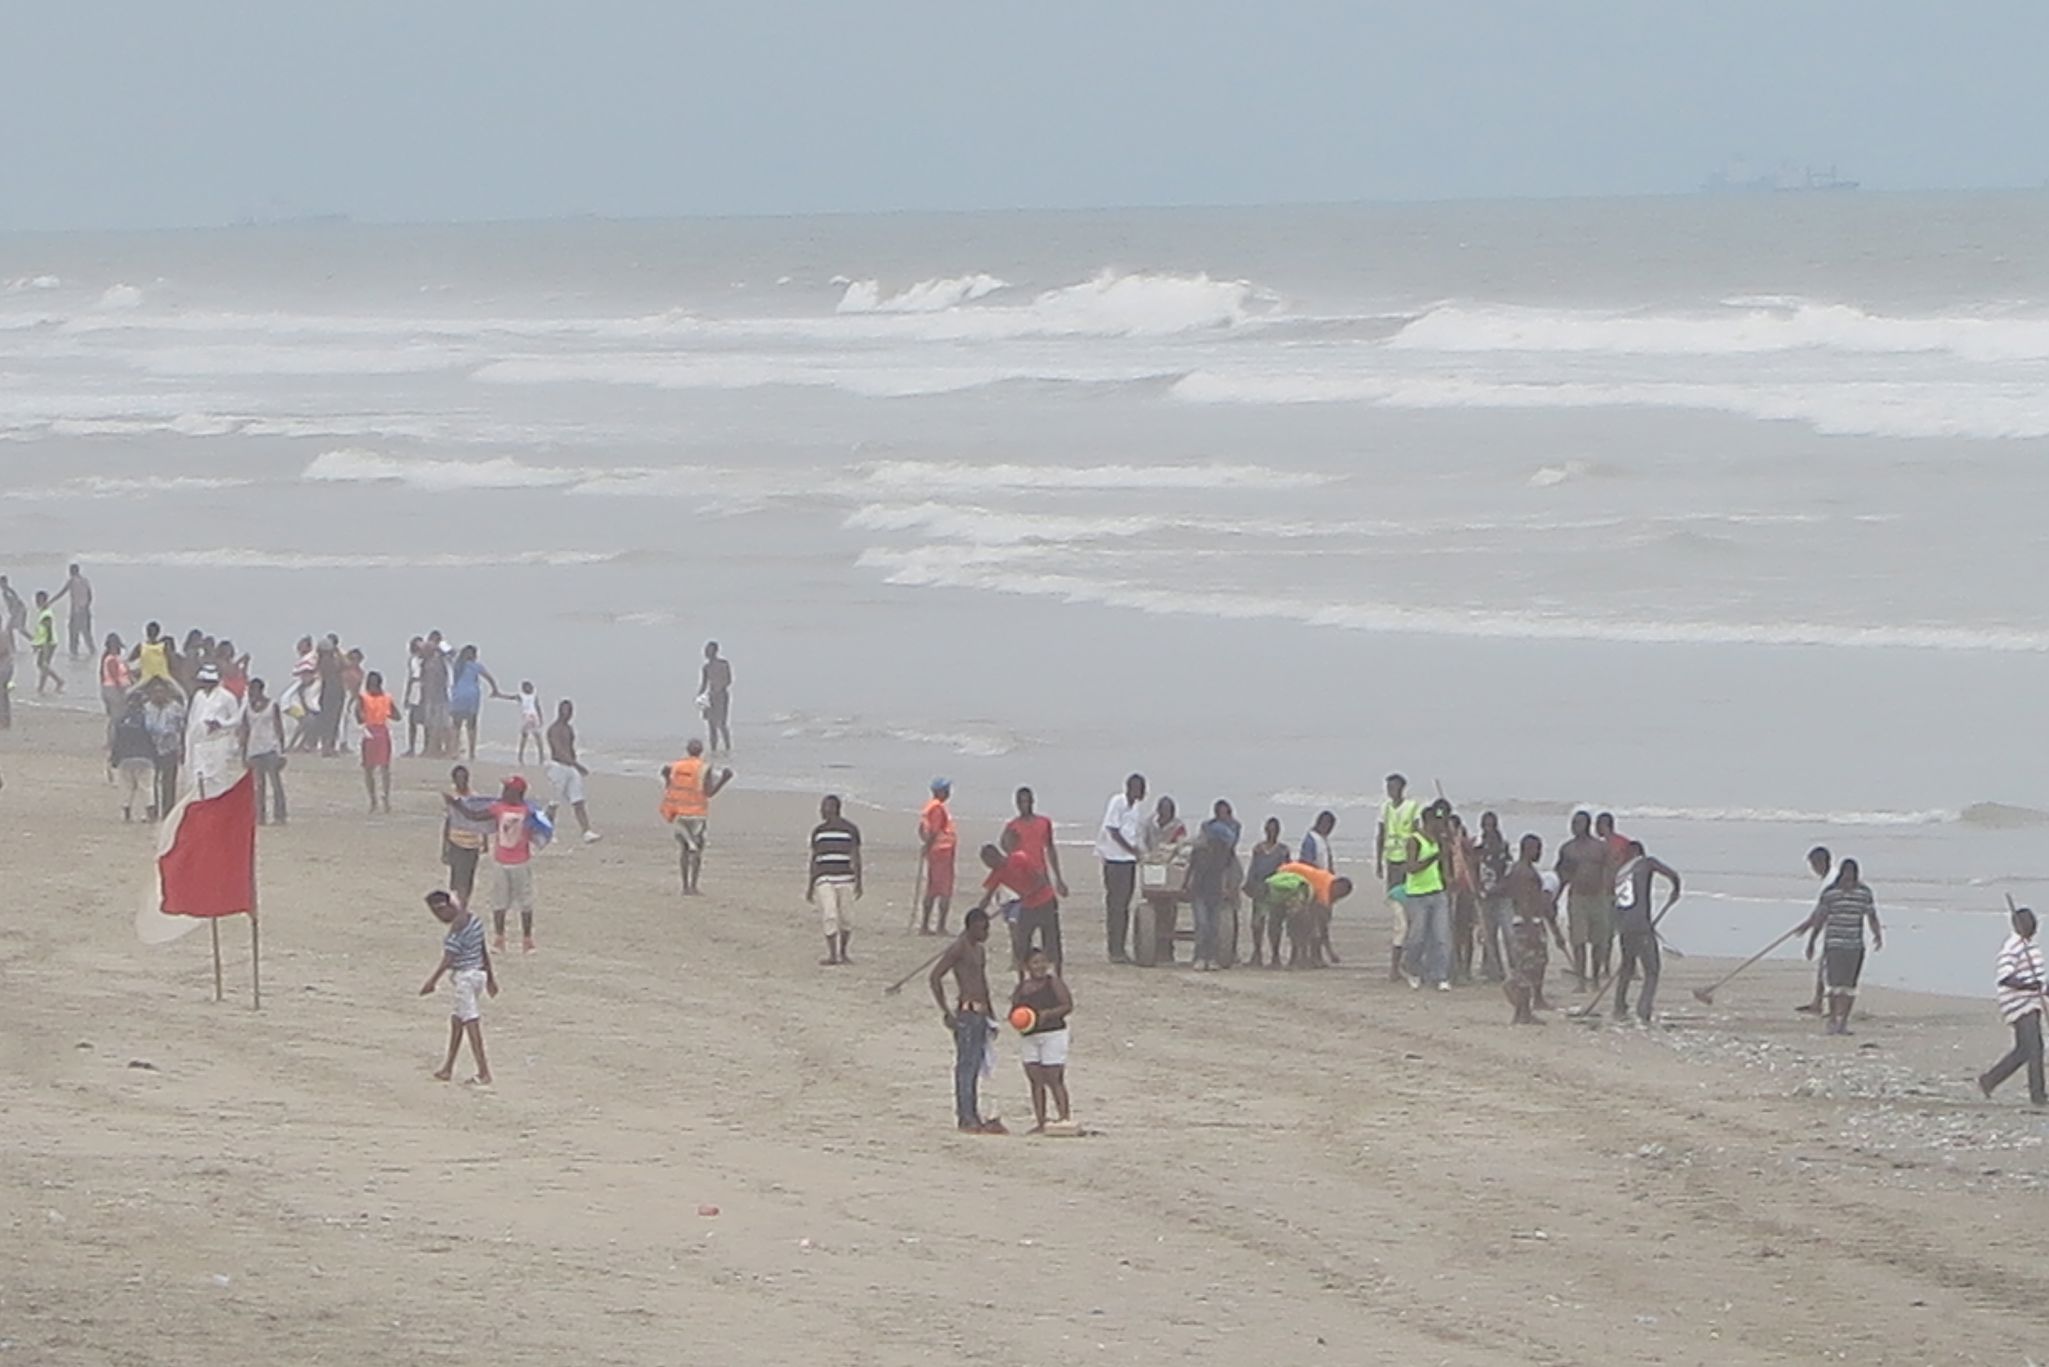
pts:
pixel 1398 919
pixel 513 888
pixel 568 782
pixel 1048 1050
pixel 469 993
pixel 835 903
pixel 690 833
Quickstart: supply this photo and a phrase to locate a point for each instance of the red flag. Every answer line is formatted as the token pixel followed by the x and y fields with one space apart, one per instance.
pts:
pixel 208 865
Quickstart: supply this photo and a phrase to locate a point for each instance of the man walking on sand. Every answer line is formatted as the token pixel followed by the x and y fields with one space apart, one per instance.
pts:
pixel 566 773
pixel 44 641
pixel 2022 1003
pixel 940 843
pixel 466 961
pixel 715 697
pixel 79 590
pixel 688 786
pixel 1820 862
pixel 1638 927
pixel 1400 815
pixel 1118 844
pixel 835 883
pixel 970 1018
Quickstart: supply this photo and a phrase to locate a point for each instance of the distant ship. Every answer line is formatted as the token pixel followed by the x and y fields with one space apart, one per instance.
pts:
pixel 1738 178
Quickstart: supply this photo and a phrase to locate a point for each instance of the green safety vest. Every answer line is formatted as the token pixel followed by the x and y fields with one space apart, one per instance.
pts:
pixel 1424 881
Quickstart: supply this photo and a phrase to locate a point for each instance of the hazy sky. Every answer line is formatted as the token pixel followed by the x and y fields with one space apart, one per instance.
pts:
pixel 144 113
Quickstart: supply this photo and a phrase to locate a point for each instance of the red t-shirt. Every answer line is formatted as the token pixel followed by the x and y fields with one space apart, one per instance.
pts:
pixel 1034 836
pixel 1024 876
pixel 511 839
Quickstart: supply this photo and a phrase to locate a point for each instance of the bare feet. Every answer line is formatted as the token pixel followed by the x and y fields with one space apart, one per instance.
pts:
pixel 442 1075
pixel 527 945
pixel 480 1080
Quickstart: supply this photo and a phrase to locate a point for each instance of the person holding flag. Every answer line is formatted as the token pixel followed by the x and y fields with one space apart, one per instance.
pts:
pixel 518 828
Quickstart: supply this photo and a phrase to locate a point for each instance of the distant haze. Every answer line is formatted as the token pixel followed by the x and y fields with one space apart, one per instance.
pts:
pixel 205 112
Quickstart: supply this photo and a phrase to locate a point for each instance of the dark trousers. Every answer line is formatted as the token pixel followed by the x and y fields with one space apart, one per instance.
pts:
pixel 1042 922
pixel 970 1043
pixel 270 785
pixel 1119 882
pixel 462 871
pixel 2027 1049
pixel 1639 947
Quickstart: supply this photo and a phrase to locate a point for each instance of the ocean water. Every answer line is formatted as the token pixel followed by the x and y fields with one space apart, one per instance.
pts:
pixel 1721 512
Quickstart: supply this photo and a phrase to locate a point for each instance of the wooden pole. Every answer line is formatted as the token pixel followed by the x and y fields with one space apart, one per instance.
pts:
pixel 255 935
pixel 213 924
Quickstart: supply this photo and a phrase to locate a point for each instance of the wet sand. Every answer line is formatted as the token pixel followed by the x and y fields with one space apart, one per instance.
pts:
pixel 1286 1167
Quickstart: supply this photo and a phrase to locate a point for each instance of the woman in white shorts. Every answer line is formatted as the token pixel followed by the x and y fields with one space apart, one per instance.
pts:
pixel 1044 1043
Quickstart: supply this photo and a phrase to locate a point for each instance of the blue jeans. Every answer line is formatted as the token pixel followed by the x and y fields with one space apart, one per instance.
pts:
pixel 970 1043
pixel 1427 955
pixel 1209 915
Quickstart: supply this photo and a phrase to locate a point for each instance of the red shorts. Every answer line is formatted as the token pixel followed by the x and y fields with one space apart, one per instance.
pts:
pixel 377 747
pixel 939 873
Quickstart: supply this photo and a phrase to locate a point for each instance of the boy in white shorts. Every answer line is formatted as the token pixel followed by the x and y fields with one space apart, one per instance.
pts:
pixel 1044 1044
pixel 466 959
pixel 530 724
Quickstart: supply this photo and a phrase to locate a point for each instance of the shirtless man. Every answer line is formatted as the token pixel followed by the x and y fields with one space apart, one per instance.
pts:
pixel 715 686
pixel 1533 911
pixel 970 1018
pixel 79 590
pixel 565 772
pixel 1589 900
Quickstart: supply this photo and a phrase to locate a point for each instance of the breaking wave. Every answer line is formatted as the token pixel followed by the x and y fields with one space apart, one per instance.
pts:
pixel 927 296
pixel 999 570
pixel 1750 327
pixel 955 476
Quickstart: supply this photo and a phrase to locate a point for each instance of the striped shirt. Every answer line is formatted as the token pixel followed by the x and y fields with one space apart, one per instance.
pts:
pixel 834 847
pixel 1844 914
pixel 464 945
pixel 2021 960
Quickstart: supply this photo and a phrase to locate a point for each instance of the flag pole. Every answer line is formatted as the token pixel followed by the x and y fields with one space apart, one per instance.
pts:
pixel 213 924
pixel 255 937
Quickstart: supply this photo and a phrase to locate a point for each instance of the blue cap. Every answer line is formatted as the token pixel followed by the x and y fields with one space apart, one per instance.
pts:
pixel 941 783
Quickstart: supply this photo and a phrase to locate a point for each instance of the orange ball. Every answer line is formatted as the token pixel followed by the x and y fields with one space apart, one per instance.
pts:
pixel 1023 1018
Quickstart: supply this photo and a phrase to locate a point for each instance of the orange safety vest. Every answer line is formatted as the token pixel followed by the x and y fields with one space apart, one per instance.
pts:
pixel 685 793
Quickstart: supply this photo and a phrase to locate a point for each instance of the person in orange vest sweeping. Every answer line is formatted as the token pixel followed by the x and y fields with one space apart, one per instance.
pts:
pixel 688 788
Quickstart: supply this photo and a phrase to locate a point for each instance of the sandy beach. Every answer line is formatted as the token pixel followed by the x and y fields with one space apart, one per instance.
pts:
pixel 1289 1167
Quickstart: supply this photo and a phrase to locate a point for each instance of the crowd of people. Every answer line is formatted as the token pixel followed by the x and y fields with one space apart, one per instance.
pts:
pixel 1462 904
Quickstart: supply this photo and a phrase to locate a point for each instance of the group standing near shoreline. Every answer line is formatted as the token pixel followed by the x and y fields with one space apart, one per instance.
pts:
pixel 1462 906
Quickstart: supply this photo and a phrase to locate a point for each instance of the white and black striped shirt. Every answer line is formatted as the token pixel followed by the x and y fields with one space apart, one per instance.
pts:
pixel 2022 961
pixel 835 848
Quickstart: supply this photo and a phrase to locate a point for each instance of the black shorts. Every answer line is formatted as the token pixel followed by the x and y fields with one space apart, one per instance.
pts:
pixel 1841 966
